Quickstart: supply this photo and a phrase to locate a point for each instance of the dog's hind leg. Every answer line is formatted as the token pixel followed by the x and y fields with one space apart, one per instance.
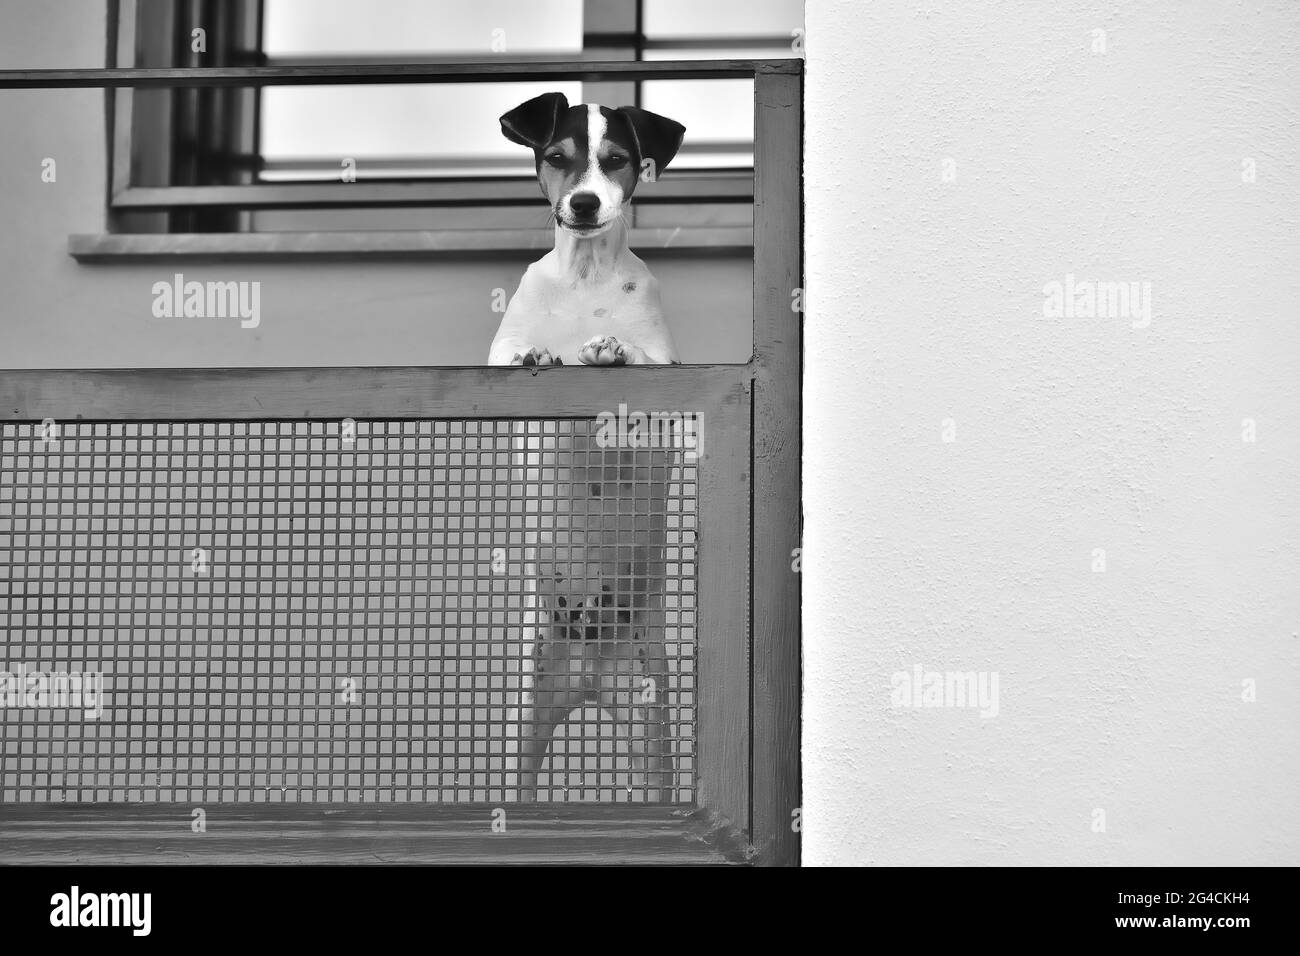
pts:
pixel 652 701
pixel 640 710
pixel 557 689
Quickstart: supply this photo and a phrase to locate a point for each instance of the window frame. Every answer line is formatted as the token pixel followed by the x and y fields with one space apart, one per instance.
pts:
pixel 144 139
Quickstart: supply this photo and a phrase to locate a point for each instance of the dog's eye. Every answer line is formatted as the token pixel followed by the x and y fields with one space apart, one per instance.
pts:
pixel 556 158
pixel 616 162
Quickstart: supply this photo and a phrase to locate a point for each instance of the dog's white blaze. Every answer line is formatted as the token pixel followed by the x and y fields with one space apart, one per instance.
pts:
pixel 593 178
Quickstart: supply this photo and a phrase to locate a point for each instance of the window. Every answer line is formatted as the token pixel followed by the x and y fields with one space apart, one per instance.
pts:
pixel 441 130
pixel 421 156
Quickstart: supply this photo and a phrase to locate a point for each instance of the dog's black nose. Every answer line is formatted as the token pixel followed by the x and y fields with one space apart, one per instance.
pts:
pixel 584 205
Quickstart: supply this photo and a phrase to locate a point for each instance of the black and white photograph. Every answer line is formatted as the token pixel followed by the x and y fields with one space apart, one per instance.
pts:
pixel 649 433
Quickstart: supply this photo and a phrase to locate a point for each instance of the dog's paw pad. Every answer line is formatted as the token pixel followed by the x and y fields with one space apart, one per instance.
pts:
pixel 536 357
pixel 603 350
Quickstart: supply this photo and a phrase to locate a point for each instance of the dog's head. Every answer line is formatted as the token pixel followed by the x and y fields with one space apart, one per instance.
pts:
pixel 589 158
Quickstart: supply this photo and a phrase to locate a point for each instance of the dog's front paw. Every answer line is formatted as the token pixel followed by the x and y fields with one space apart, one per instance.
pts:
pixel 536 357
pixel 605 350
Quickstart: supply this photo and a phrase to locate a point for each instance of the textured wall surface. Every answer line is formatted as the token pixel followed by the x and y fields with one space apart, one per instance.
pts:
pixel 1120 690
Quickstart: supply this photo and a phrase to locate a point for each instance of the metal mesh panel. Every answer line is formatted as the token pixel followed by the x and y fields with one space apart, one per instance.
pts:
pixel 282 614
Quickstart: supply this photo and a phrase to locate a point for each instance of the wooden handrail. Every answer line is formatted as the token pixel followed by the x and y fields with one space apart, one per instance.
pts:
pixel 202 394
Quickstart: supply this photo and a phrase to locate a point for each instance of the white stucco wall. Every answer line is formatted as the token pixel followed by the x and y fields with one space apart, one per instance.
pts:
pixel 1122 690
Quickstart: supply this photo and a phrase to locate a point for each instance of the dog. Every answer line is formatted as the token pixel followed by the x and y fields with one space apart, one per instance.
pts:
pixel 589 300
pixel 595 572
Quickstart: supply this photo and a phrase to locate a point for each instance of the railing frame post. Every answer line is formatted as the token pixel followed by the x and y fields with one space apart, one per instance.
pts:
pixel 777 502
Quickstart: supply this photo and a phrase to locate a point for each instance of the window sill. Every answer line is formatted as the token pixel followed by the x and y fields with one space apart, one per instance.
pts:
pixel 404 245
pixel 64 834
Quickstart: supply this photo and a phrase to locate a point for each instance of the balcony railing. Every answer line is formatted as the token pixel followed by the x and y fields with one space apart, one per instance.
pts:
pixel 744 689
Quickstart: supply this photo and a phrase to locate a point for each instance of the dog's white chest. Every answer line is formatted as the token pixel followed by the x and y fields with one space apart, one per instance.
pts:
pixel 580 293
pixel 573 311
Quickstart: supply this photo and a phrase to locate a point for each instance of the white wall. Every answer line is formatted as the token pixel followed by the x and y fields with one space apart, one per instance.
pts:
pixel 1119 690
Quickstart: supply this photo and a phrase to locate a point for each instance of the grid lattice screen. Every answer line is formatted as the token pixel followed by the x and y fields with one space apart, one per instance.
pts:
pixel 280 614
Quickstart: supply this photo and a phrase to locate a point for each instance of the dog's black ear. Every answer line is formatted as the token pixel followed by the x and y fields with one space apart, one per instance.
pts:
pixel 657 139
pixel 533 123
